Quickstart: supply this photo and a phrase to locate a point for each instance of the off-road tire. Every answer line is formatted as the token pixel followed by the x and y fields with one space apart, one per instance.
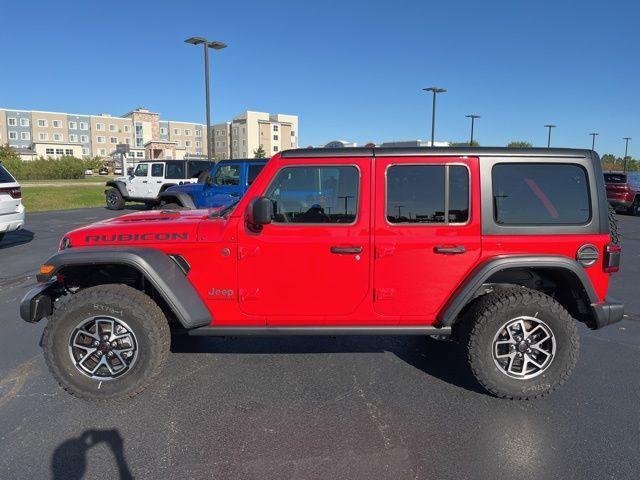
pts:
pixel 114 199
pixel 141 314
pixel 493 310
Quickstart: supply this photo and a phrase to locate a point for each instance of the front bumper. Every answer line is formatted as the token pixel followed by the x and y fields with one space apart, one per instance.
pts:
pixel 12 221
pixel 37 303
pixel 607 312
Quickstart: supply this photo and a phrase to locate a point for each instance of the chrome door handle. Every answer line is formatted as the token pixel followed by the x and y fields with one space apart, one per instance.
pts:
pixel 449 249
pixel 346 250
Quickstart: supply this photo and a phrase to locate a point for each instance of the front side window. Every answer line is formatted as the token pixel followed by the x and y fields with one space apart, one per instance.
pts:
pixel 315 194
pixel 416 194
pixel 227 175
pixel 142 170
pixel 540 194
pixel 157 170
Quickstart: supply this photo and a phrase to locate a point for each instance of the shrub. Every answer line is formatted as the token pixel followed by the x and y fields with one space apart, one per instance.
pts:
pixel 46 168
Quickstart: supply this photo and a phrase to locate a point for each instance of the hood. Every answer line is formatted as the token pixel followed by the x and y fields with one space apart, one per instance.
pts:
pixel 189 188
pixel 143 228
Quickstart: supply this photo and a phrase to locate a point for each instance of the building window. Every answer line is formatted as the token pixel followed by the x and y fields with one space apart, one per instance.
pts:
pixel 127 129
pixel 68 151
pixel 113 140
pixel 113 128
pixel 85 152
pixel 198 133
pixel 25 135
pixel 235 143
pixel 42 122
pixel 187 133
pixel 73 137
pixel 140 154
pixel 275 148
pixel 84 126
pixel 275 137
pixel 177 143
pixel 130 154
pixel 176 131
pixel 100 139
pixel 57 137
pixel 12 122
pixel 187 143
pixel 13 135
pixel 163 131
pixel 49 151
pixel 293 133
pixel 43 136
pixel 139 142
pixel 275 128
pixel 198 144
pixel 100 126
pixel 59 151
pixel 56 124
pixel 24 122
pixel 127 141
pixel 84 138
pixel 73 125
pixel 102 151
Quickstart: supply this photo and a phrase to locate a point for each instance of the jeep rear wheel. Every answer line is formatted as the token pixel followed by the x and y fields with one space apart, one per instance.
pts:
pixel 114 199
pixel 522 344
pixel 634 209
pixel 106 342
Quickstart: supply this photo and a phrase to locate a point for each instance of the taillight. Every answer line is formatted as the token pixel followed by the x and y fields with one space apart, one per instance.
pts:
pixel 14 192
pixel 612 255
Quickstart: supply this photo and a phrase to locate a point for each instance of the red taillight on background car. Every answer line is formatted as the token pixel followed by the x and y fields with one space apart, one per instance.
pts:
pixel 14 192
pixel 612 253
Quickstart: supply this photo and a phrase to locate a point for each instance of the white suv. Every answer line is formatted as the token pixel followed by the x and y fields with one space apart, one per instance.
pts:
pixel 11 208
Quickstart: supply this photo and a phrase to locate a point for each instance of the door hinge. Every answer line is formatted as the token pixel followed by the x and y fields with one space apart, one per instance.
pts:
pixel 244 252
pixel 384 293
pixel 248 294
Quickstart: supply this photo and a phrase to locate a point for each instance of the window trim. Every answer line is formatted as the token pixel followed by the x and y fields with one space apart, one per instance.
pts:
pixel 321 225
pixel 446 222
pixel 544 225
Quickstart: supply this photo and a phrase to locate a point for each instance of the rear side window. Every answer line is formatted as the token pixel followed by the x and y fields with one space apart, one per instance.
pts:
pixel 540 194
pixel 175 170
pixel 196 167
pixel 615 178
pixel 5 177
pixel 416 194
pixel 253 172
pixel 315 194
pixel 157 170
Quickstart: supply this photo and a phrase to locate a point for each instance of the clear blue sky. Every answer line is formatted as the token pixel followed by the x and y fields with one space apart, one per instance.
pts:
pixel 350 70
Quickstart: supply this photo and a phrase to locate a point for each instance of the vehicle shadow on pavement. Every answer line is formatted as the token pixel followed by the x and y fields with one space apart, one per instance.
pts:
pixel 15 238
pixel 441 359
pixel 69 461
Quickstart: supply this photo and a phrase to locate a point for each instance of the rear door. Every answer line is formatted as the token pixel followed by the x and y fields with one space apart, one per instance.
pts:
pixel 427 233
pixel 157 179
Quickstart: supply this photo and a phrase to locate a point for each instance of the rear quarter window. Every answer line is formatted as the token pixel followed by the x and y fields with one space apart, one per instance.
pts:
pixel 540 194
pixel 5 176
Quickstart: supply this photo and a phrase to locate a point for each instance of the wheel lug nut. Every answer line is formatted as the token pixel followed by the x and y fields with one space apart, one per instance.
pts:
pixel 96 343
pixel 529 350
pixel 105 337
pixel 114 344
pixel 99 353
pixel 110 354
pixel 519 355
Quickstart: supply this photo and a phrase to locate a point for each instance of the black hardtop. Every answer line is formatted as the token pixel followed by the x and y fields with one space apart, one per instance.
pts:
pixel 243 160
pixel 438 152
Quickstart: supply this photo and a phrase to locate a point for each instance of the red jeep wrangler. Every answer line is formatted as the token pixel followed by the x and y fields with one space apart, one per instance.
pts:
pixel 504 249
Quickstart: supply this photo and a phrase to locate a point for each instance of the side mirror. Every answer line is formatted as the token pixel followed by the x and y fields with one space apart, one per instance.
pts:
pixel 259 213
pixel 130 171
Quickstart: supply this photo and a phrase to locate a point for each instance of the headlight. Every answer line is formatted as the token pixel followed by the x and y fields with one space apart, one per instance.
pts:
pixel 64 243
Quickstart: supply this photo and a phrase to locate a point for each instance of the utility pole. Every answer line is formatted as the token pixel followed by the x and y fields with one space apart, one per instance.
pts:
pixel 593 141
pixel 626 149
pixel 435 91
pixel 549 135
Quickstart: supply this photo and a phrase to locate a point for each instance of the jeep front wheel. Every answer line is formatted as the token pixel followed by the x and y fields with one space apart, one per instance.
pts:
pixel 106 342
pixel 522 343
pixel 114 199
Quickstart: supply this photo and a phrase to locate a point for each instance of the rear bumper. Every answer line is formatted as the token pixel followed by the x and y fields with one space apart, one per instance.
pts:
pixel 37 304
pixel 607 312
pixel 12 221
pixel 616 202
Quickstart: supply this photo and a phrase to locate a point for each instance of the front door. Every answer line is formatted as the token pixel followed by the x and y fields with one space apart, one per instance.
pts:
pixel 311 265
pixel 427 233
pixel 138 184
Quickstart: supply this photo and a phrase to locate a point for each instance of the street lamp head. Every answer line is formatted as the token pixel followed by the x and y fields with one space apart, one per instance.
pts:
pixel 626 138
pixel 594 133
pixel 473 115
pixel 550 126
pixel 217 45
pixel 195 40
pixel 200 40
pixel 434 89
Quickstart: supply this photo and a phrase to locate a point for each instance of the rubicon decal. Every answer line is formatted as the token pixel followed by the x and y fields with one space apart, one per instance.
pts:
pixel 136 237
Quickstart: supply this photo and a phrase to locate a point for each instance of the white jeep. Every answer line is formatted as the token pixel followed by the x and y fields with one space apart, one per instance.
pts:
pixel 146 180
pixel 11 208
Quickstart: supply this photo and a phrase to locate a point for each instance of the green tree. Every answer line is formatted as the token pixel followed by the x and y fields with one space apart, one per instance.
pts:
pixel 259 153
pixel 519 144
pixel 8 154
pixel 463 144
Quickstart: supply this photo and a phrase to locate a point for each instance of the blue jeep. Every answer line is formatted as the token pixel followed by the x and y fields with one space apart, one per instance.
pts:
pixel 225 183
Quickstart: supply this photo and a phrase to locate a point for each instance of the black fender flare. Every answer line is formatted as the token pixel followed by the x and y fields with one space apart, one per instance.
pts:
pixel 182 198
pixel 474 281
pixel 166 276
pixel 118 184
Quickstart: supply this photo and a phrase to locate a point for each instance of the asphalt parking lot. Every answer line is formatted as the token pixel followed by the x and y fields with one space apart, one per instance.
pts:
pixel 307 407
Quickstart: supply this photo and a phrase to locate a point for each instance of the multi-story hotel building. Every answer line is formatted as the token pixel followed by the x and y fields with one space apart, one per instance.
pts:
pixel 247 132
pixel 36 133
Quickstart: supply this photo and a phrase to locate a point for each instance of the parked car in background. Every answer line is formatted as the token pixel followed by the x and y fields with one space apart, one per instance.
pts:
pixel 88 172
pixel 11 208
pixel 147 180
pixel 623 191
pixel 117 171
pixel 225 183
pixel 103 171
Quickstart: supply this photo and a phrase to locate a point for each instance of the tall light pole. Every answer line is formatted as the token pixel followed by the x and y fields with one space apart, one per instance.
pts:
pixel 473 117
pixel 593 141
pixel 207 45
pixel 435 91
pixel 626 149
pixel 549 135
